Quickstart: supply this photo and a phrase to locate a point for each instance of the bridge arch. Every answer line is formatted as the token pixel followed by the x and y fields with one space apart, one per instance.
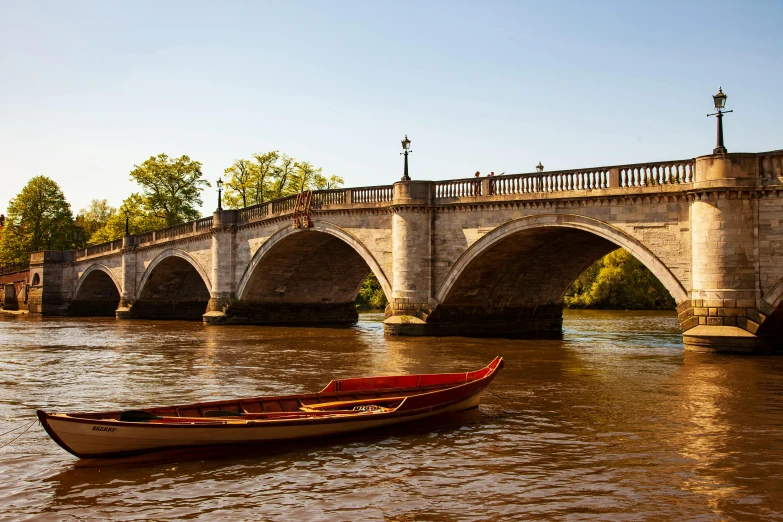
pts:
pixel 319 226
pixel 97 293
pixel 173 286
pixel 568 221
pixel 512 281
pixel 308 275
pixel 93 268
pixel 169 253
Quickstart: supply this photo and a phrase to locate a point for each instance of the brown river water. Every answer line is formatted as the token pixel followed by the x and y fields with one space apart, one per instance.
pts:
pixel 613 422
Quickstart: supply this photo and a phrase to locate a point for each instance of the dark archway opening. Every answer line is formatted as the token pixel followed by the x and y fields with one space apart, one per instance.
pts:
pixel 174 290
pixel 309 277
pixel 516 288
pixel 97 296
pixel 770 331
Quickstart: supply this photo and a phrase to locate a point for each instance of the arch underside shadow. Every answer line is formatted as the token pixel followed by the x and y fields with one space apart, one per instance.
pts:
pixel 302 277
pixel 512 282
pixel 97 294
pixel 770 317
pixel 173 288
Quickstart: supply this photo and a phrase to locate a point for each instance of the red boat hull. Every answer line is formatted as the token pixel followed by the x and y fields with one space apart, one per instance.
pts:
pixel 344 406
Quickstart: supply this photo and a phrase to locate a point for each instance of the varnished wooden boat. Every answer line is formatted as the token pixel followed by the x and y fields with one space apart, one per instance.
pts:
pixel 343 406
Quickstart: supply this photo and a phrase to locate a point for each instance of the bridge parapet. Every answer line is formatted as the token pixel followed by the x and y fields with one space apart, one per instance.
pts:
pixel 771 167
pixel 675 173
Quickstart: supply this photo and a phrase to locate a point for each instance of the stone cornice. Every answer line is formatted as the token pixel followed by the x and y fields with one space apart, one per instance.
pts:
pixel 102 255
pixel 174 241
pixel 266 221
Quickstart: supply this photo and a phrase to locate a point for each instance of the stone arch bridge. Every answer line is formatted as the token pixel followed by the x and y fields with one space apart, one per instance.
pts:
pixel 487 256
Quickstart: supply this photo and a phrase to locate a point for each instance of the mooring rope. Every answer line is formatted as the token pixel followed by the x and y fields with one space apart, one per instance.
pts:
pixel 19 435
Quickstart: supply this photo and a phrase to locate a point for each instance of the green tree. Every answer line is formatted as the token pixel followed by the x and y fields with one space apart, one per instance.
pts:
pixel 239 185
pixel 283 176
pixel 618 281
pixel 323 183
pixel 39 218
pixel 171 187
pixel 251 182
pixel 304 176
pixel 140 219
pixel 272 175
pixel 265 168
pixel 94 218
pixel 371 294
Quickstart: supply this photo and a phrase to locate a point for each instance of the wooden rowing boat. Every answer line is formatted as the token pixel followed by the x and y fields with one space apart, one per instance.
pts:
pixel 343 406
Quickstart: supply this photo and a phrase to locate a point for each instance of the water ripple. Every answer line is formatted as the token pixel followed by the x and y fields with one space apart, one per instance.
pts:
pixel 613 421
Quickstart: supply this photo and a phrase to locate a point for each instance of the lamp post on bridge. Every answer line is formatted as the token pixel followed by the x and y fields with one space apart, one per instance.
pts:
pixel 220 193
pixel 720 102
pixel 127 221
pixel 406 145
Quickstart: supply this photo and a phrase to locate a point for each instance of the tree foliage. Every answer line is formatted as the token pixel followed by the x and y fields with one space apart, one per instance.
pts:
pixel 618 281
pixel 140 219
pixel 371 294
pixel 272 175
pixel 95 217
pixel 171 187
pixel 39 218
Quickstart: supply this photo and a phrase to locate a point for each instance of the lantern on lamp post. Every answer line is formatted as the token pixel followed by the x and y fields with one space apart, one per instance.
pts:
pixel 406 145
pixel 720 103
pixel 220 193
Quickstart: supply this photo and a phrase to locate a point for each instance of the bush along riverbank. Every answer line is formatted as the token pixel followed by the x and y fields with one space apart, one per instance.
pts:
pixel 371 296
pixel 618 281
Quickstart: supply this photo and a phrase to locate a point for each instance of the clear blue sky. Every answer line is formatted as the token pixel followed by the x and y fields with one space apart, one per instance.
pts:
pixel 88 89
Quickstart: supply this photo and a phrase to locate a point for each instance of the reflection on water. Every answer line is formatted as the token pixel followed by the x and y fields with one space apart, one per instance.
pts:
pixel 613 421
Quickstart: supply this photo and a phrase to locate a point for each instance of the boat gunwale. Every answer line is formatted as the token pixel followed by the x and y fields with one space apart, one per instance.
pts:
pixel 222 423
pixel 497 362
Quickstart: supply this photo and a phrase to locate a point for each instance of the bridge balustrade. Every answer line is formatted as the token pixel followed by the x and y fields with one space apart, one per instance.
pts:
pixel 174 231
pixel 378 194
pixel 557 181
pixel 283 205
pixel 203 224
pixel 663 173
pixel 98 249
pixel 771 166
pixel 458 188
pixel 146 237
pixel 14 268
pixel 329 197
pixel 253 213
